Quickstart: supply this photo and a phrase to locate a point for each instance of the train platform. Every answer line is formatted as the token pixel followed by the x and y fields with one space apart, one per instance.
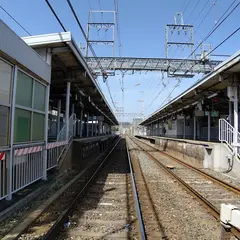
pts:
pixel 202 154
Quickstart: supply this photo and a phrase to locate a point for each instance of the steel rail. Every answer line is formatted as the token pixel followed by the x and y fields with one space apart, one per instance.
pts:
pixel 214 179
pixel 137 202
pixel 212 209
pixel 54 230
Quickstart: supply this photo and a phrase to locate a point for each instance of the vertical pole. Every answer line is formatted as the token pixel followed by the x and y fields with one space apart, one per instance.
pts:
pixel 67 109
pixel 59 116
pixel 10 159
pixel 230 112
pixel 184 127
pixel 235 137
pixel 194 128
pixel 73 125
pixel 209 126
pixel 92 125
pixel 87 132
pixel 73 108
pixel 95 127
pixel 81 123
pixel 49 61
pixel 99 126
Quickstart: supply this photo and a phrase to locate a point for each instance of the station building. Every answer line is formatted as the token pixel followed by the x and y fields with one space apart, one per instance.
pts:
pixel 48 97
pixel 206 114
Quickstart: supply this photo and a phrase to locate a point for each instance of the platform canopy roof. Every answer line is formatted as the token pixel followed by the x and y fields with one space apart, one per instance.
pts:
pixel 210 85
pixel 68 64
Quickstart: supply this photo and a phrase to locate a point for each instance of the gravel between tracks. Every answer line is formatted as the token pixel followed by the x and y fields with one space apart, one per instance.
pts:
pixel 11 222
pixel 182 217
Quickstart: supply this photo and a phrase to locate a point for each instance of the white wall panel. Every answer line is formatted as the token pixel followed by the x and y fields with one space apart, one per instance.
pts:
pixel 13 46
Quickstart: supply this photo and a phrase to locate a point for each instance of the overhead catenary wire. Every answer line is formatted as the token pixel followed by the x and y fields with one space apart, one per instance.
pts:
pixel 209 34
pixel 118 27
pixel 221 43
pixel 90 46
pixel 15 20
pixel 194 8
pixel 186 6
pixel 82 30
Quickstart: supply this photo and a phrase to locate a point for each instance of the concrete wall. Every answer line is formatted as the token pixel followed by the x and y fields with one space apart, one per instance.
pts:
pixel 191 153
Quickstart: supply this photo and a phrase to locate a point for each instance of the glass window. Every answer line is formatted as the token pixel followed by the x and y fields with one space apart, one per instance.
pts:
pixel 24 90
pixel 22 125
pixel 4 123
pixel 5 82
pixel 39 96
pixel 38 127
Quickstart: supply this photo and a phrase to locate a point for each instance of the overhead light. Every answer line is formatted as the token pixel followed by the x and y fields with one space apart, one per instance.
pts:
pixel 213 95
pixel 187 106
pixel 194 103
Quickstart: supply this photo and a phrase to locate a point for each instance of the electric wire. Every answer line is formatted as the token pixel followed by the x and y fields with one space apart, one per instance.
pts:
pixel 194 8
pixel 56 16
pixel 84 34
pixel 186 6
pixel 233 33
pixel 15 20
pixel 208 35
pixel 118 28
pixel 90 46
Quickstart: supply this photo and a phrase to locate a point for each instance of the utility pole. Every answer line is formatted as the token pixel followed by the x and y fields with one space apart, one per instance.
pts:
pixel 174 33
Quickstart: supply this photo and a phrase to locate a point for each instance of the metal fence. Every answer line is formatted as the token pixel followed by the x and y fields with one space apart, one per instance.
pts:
pixel 4 157
pixel 27 165
pixel 54 152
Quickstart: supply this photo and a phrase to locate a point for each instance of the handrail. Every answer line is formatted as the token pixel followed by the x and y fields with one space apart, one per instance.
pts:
pixel 62 134
pixel 226 133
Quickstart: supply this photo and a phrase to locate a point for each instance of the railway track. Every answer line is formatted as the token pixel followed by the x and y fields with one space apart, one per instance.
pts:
pixel 208 190
pixel 103 204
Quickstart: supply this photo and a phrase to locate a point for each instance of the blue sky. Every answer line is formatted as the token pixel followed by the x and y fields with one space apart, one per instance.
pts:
pixel 142 31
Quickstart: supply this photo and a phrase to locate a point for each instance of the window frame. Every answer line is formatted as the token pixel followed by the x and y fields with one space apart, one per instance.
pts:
pixel 10 104
pixel 30 109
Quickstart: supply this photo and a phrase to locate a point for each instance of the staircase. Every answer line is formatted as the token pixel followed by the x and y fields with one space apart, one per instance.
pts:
pixel 226 134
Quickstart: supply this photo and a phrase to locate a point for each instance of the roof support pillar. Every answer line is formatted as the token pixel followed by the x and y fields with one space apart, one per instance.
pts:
pixel 87 125
pixel 67 109
pixel 230 112
pixel 235 104
pixel 59 116
pixel 81 123
pixel 184 127
pixel 194 128
pixel 92 125
pixel 209 126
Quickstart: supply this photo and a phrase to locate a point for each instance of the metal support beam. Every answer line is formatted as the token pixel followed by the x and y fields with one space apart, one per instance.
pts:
pixel 87 125
pixel 194 128
pixel 235 135
pixel 67 109
pixel 92 125
pixel 151 64
pixel 184 127
pixel 10 158
pixel 49 61
pixel 59 116
pixel 81 123
pixel 230 112
pixel 209 126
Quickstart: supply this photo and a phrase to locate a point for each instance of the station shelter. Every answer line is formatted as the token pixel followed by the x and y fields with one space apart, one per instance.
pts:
pixel 205 113
pixel 48 96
